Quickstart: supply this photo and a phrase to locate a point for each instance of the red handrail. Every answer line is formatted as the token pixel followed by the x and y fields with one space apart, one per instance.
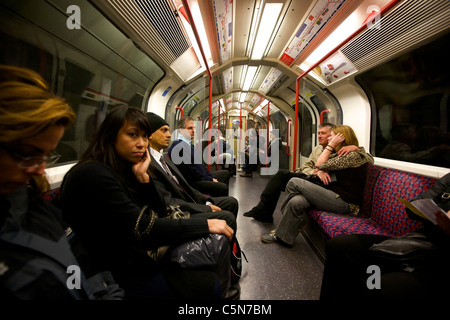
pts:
pixel 321 115
pixel 267 134
pixel 217 138
pixel 181 111
pixel 287 137
pixel 383 10
pixel 197 37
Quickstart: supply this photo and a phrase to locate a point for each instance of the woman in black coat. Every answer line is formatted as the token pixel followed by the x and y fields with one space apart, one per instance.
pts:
pixel 103 198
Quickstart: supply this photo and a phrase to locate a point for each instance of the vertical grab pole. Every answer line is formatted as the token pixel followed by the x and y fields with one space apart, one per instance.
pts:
pixel 297 92
pixel 217 139
pixel 210 122
pixel 267 135
pixel 287 137
pixel 197 38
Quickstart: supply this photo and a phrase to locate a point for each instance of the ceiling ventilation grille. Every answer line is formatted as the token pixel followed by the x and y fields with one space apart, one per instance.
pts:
pixel 164 21
pixel 156 22
pixel 409 24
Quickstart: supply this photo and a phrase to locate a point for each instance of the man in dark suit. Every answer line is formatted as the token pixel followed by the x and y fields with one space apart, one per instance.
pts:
pixel 173 185
pixel 191 166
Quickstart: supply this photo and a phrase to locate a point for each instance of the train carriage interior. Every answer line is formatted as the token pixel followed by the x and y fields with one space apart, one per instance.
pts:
pixel 378 66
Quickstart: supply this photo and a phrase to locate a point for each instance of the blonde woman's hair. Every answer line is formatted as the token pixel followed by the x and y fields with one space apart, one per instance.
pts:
pixel 27 107
pixel 349 135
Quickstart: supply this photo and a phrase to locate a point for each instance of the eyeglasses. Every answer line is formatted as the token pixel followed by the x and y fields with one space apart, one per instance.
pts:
pixel 33 161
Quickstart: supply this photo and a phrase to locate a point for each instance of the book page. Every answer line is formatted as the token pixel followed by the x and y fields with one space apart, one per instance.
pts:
pixel 425 208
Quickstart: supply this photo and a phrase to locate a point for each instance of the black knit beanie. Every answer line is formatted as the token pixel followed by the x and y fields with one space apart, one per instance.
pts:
pixel 156 121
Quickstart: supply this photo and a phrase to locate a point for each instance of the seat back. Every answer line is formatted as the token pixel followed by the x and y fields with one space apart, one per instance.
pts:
pixel 387 210
pixel 373 172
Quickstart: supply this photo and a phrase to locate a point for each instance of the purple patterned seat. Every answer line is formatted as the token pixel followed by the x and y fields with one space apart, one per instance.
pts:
pixel 387 211
pixel 337 224
pixel 372 175
pixel 387 214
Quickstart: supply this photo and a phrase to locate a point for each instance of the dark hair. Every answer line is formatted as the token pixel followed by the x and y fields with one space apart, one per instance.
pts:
pixel 102 146
pixel 329 125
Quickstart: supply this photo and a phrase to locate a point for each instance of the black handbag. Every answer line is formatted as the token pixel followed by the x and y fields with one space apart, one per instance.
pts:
pixel 211 252
pixel 172 212
pixel 405 252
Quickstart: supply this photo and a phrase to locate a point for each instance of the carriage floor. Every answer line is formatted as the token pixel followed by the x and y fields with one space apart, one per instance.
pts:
pixel 273 272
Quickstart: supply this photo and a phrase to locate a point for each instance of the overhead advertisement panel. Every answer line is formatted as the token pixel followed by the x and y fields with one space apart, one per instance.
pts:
pixel 335 68
pixel 223 13
pixel 322 12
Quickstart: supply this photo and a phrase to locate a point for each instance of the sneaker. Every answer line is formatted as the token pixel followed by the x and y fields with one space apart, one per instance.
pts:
pixel 269 238
pixel 272 238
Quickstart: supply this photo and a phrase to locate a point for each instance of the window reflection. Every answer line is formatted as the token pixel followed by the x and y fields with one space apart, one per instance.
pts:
pixel 94 69
pixel 410 100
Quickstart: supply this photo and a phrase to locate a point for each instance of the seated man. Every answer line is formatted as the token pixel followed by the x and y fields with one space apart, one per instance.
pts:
pixel 263 211
pixel 176 190
pixel 253 148
pixel 171 182
pixel 223 154
pixel 214 184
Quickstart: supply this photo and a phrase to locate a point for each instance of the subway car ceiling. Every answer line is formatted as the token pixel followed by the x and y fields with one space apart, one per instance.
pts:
pixel 144 53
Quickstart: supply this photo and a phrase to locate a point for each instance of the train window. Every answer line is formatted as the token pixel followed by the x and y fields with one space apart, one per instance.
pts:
pixel 410 101
pixel 315 105
pixel 94 68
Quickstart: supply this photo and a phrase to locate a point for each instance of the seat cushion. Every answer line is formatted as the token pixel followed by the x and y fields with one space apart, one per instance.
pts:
pixel 338 224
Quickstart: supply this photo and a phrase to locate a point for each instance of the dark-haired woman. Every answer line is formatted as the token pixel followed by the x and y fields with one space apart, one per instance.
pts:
pixel 102 199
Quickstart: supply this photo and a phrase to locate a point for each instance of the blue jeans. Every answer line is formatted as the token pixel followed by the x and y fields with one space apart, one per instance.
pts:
pixel 302 195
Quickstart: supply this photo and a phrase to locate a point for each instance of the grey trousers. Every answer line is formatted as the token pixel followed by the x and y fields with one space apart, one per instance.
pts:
pixel 302 195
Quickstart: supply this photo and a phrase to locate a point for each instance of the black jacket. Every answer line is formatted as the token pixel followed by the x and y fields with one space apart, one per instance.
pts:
pixel 35 254
pixel 103 212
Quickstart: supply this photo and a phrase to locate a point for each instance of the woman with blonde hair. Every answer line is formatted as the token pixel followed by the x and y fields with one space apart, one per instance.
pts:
pixel 341 190
pixel 34 248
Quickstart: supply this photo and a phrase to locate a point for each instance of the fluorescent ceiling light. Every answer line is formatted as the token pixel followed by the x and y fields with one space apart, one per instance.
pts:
pixel 257 109
pixel 345 29
pixel 249 77
pixel 266 25
pixel 342 32
pixel 261 105
pixel 242 97
pixel 195 10
pixel 196 15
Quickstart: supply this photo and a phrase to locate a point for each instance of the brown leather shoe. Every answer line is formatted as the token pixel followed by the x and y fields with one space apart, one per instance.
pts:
pixel 245 174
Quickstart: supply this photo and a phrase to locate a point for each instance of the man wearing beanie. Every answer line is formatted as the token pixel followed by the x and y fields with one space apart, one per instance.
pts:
pixel 173 185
